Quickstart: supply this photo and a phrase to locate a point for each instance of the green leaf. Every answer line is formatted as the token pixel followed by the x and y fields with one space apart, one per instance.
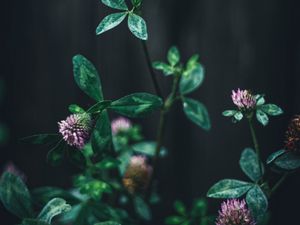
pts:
pixel 101 136
pixel 249 164
pixel 180 207
pixel 238 116
pixel 136 105
pixel 108 163
pixel 42 138
pixel 108 223
pixel 197 113
pixel 87 77
pixel 142 209
pixel 147 148
pixel 173 56
pixel 257 202
pixel 165 68
pixel 271 109
pixel 73 108
pixel 288 161
pixel 33 222
pixel 192 80
pixel 15 196
pixel 54 207
pixel 115 4
pixel 275 155
pixel 111 21
pixel 260 100
pixel 136 3
pixel 229 113
pixel 56 155
pixel 137 26
pixel 172 220
pixel 229 188
pixel 42 195
pixel 262 117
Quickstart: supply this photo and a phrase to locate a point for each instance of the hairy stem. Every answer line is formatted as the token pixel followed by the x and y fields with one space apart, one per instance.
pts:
pixel 254 138
pixel 152 73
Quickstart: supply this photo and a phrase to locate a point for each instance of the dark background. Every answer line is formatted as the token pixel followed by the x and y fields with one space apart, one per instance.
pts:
pixel 248 44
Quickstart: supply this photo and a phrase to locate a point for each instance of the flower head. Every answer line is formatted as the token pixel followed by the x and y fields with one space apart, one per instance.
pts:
pixel 243 99
pixel 234 212
pixel 137 175
pixel 292 140
pixel 75 129
pixel 120 124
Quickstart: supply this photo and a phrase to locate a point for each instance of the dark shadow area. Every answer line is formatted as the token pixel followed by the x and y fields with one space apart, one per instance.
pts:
pixel 247 44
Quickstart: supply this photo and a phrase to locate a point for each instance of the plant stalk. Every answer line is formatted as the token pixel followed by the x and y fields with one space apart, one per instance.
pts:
pixel 255 142
pixel 152 73
pixel 279 182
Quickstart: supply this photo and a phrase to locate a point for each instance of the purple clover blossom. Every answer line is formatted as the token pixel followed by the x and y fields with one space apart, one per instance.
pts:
pixel 120 124
pixel 243 99
pixel 234 212
pixel 75 129
pixel 137 175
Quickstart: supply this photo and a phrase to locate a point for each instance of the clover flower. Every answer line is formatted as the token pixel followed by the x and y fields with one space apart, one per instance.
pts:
pixel 120 124
pixel 243 99
pixel 76 129
pixel 292 140
pixel 137 174
pixel 234 212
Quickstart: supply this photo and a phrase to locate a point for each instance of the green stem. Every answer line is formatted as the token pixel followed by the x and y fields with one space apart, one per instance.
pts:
pixel 279 182
pixel 161 126
pixel 152 73
pixel 254 138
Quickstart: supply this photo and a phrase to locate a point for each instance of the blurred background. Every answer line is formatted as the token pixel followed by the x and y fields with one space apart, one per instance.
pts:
pixel 247 44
